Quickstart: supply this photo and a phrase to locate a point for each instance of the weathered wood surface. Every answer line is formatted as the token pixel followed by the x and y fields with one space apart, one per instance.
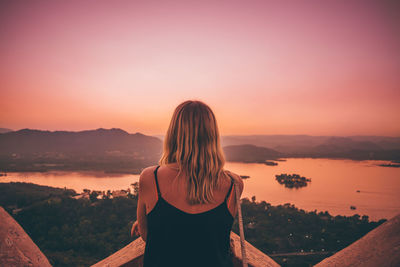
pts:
pixel 16 247
pixel 255 257
pixel 132 255
pixel 380 247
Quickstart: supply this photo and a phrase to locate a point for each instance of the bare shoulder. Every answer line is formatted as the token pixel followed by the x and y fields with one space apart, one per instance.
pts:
pixel 237 179
pixel 146 178
pixel 238 187
pixel 148 170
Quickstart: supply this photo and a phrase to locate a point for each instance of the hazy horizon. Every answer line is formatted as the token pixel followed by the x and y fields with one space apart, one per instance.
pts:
pixel 163 134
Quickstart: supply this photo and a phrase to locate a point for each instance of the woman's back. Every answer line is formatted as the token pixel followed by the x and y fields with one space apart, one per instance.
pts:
pixel 185 214
pixel 179 234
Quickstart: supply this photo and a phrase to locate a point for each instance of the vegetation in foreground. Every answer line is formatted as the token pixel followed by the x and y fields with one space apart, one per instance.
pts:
pixel 294 237
pixel 81 232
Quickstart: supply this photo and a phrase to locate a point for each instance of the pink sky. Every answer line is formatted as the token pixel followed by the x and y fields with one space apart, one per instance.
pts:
pixel 265 67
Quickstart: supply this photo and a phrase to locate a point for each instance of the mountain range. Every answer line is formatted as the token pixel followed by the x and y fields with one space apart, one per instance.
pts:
pixel 117 150
pixel 109 149
pixel 351 147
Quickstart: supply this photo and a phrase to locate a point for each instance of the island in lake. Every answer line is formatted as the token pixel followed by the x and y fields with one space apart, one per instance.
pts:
pixel 394 165
pixel 292 180
pixel 270 163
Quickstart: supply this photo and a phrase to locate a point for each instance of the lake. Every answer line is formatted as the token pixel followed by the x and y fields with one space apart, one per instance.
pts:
pixel 333 187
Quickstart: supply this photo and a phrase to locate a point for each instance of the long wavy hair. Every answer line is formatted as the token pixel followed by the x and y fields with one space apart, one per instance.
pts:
pixel 193 141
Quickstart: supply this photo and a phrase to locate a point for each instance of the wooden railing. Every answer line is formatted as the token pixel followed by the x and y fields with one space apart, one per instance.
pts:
pixel 380 247
pixel 132 255
pixel 16 247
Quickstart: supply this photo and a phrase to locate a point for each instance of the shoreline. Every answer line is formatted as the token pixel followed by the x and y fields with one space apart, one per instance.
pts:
pixel 287 204
pixel 137 170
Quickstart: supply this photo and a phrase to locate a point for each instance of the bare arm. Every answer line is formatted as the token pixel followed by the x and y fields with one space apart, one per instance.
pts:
pixel 141 208
pixel 232 204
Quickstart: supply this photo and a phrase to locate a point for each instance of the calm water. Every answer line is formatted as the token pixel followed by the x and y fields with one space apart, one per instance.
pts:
pixel 333 186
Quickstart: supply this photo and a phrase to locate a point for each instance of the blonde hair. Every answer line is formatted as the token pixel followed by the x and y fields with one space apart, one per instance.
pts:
pixel 193 141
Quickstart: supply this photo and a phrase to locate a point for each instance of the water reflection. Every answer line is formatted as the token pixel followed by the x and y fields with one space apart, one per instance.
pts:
pixel 93 180
pixel 334 184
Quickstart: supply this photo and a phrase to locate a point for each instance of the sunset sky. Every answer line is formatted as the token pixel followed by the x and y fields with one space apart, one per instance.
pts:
pixel 264 67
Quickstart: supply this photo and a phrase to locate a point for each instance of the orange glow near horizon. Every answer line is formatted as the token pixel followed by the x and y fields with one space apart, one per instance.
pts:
pixel 264 67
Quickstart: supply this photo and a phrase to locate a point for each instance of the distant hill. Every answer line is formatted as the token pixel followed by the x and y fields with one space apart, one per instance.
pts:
pixel 109 149
pixel 83 142
pixel 250 153
pixel 353 147
pixel 344 144
pixel 115 150
pixel 281 143
pixel 5 130
pixel 159 136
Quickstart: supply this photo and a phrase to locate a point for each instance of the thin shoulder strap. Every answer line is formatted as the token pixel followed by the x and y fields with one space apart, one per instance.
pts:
pixel 155 177
pixel 230 189
pixel 241 230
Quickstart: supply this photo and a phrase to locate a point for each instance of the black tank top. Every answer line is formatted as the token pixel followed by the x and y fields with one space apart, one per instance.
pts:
pixel 177 238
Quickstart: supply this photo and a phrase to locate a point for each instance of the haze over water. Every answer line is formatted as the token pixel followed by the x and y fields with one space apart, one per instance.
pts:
pixel 333 186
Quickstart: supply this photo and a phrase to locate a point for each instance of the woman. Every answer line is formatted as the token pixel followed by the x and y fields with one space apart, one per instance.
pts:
pixel 187 205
